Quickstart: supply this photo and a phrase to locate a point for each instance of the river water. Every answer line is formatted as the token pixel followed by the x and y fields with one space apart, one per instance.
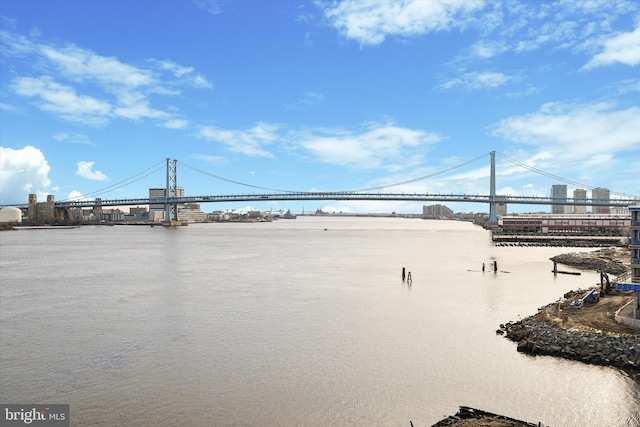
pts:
pixel 289 323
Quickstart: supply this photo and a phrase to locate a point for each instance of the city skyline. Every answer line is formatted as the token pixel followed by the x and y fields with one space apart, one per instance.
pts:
pixel 318 96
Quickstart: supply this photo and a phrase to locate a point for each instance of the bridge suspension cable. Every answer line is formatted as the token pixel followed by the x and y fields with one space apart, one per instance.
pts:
pixel 235 182
pixel 556 177
pixel 343 191
pixel 140 175
pixel 420 178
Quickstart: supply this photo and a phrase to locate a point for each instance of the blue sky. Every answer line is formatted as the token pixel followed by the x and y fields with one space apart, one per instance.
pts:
pixel 318 96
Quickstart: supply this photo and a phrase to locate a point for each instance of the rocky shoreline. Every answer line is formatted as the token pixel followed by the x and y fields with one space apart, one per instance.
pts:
pixel 590 263
pixel 545 338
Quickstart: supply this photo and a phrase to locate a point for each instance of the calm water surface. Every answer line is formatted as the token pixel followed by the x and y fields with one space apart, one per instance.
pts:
pixel 295 322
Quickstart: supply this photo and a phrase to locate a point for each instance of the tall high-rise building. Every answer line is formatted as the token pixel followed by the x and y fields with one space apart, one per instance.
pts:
pixel 579 194
pixel 635 257
pixel 601 194
pixel 501 207
pixel 558 192
pixel 635 244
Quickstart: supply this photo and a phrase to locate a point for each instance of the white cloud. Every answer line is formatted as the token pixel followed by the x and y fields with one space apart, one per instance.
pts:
pixel 63 100
pixel 200 81
pixel 184 74
pixel 23 171
pixel 306 100
pixel 214 160
pixel 329 209
pixel 175 124
pixel 628 86
pixel 623 48
pixel 118 89
pixel 135 106
pixel 9 107
pixel 214 7
pixel 15 45
pixel 76 196
pixel 73 138
pixel 84 64
pixel 478 81
pixel 250 142
pixel 488 48
pixel 85 171
pixel 576 132
pixel 370 21
pixel 177 69
pixel 385 146
pixel 377 145
pixel 574 26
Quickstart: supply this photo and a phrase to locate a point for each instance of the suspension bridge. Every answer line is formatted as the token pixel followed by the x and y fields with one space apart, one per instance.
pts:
pixel 171 198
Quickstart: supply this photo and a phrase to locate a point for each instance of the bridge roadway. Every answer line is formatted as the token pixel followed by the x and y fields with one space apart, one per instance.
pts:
pixel 294 196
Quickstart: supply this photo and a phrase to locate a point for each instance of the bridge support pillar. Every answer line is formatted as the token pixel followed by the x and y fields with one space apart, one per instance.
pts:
pixel 493 214
pixel 171 209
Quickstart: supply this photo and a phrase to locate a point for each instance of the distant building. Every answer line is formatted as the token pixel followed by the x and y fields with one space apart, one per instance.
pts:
pixel 191 213
pixel 156 193
pixel 156 210
pixel 501 207
pixel 635 244
pixel 139 214
pixel 601 194
pixel 111 215
pixel 580 194
pixel 11 215
pixel 436 211
pixel 41 212
pixel 633 315
pixel 558 192
pixel 620 210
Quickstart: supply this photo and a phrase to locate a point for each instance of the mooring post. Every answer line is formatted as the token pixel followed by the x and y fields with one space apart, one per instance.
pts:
pixel 409 278
pixel 483 267
pixel 403 274
pixel 495 266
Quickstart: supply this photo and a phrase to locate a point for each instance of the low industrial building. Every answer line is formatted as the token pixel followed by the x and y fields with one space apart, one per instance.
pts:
pixel 191 212
pixel 10 215
pixel 590 230
pixel 567 225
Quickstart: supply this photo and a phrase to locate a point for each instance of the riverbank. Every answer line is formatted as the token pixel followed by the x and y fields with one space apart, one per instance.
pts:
pixel 588 334
pixel 542 335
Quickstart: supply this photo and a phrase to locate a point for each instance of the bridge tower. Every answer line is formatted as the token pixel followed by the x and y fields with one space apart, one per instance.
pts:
pixel 171 209
pixel 493 215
